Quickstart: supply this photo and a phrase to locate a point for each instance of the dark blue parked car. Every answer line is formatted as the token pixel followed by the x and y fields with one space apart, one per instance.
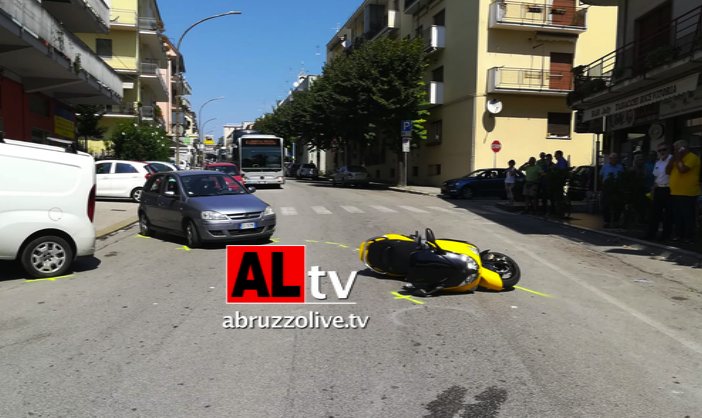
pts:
pixel 486 182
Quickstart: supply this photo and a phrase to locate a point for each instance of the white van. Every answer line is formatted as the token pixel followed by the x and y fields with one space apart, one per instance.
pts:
pixel 47 204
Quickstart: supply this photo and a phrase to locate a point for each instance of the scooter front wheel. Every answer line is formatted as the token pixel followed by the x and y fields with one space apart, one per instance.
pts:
pixel 505 266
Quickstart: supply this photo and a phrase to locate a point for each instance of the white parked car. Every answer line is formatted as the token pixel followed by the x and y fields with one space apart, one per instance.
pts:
pixel 121 178
pixel 161 166
pixel 47 204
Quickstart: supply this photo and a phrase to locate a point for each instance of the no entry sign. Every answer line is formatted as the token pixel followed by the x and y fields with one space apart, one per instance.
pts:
pixel 496 146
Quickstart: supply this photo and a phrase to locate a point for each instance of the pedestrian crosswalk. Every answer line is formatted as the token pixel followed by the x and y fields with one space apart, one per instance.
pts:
pixel 365 209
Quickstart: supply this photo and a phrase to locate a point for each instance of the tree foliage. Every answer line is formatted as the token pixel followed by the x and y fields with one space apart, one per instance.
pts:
pixel 88 122
pixel 360 98
pixel 140 141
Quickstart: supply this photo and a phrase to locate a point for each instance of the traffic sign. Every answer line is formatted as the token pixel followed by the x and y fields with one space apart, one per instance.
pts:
pixel 405 144
pixel 496 146
pixel 406 128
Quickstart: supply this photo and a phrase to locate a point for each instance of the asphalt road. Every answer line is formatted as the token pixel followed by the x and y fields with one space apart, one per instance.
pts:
pixel 597 327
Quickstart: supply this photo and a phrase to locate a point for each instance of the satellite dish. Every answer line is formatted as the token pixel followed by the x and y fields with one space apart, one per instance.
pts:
pixel 494 106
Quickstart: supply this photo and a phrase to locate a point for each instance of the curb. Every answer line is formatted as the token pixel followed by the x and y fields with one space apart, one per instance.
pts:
pixel 409 190
pixel 639 241
pixel 116 227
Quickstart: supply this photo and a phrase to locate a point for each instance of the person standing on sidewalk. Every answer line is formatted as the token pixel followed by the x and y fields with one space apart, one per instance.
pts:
pixel 510 179
pixel 684 171
pixel 662 209
pixel 531 184
pixel 611 207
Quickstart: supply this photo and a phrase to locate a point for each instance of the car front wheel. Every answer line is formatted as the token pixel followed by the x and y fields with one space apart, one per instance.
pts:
pixel 191 235
pixel 48 256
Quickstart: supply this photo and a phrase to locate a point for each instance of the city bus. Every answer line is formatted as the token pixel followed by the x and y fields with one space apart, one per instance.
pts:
pixel 260 158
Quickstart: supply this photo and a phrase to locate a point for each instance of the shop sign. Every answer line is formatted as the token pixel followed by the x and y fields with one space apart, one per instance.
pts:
pixel 647 97
pixel 683 104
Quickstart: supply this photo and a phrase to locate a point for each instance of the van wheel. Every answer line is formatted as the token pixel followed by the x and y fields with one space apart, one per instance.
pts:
pixel 145 226
pixel 48 256
pixel 191 235
pixel 136 194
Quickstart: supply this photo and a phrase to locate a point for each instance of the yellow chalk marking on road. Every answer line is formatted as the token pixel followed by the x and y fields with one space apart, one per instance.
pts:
pixel 184 248
pixel 310 240
pixel 332 243
pixel 50 279
pixel 546 295
pixel 407 297
pixel 343 246
pixel 275 240
pixel 141 236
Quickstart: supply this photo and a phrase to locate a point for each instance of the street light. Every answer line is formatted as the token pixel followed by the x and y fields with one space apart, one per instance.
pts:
pixel 199 116
pixel 179 78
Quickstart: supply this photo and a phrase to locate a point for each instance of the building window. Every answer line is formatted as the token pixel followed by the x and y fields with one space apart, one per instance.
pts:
pixel 103 47
pixel 434 169
pixel 435 132
pixel 438 74
pixel 419 33
pixel 558 125
pixel 440 18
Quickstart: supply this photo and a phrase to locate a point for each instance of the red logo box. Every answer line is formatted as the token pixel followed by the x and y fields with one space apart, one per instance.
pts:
pixel 266 274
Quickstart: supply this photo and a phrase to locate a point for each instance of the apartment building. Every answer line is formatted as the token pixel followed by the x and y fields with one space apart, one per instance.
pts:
pixel 45 69
pixel 498 71
pixel 134 48
pixel 188 134
pixel 648 90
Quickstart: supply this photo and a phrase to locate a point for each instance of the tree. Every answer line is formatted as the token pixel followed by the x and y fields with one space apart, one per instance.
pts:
pixel 87 123
pixel 140 141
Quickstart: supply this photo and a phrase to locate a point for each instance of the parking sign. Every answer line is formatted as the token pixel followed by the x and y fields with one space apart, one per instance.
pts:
pixel 406 129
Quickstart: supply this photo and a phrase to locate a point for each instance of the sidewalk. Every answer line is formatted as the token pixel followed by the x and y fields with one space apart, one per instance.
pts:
pixel 113 215
pixel 580 219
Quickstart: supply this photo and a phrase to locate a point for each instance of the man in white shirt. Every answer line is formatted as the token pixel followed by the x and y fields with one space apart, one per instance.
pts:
pixel 662 210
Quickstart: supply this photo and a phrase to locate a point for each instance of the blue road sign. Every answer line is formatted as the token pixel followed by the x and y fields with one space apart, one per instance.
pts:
pixel 406 129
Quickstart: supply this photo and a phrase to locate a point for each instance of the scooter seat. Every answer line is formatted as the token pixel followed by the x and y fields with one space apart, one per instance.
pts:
pixel 391 256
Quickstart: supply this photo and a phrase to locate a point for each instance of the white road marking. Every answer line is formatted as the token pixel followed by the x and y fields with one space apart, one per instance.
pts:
pixel 413 209
pixel 321 210
pixel 383 209
pixel 692 345
pixel 352 209
pixel 288 211
pixel 445 210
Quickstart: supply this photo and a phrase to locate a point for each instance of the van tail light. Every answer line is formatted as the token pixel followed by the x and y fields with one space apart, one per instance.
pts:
pixel 91 204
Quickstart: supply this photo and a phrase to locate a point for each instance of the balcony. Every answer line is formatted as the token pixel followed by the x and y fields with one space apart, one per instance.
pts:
pixel 150 75
pixel 412 6
pixel 434 38
pixel 674 51
pixel 436 93
pixel 147 112
pixel 123 18
pixel 391 22
pixel 529 81
pixel 50 59
pixel 91 16
pixel 523 16
pixel 120 110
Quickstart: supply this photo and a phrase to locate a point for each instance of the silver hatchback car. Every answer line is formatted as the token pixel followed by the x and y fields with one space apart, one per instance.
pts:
pixel 204 206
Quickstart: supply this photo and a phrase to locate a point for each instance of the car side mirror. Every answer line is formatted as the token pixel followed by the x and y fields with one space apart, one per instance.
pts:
pixel 169 193
pixel 251 189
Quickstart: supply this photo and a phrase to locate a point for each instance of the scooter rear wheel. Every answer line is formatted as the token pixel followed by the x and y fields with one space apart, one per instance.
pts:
pixel 505 266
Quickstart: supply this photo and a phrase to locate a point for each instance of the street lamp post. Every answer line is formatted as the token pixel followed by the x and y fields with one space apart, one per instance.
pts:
pixel 179 78
pixel 199 116
pixel 202 153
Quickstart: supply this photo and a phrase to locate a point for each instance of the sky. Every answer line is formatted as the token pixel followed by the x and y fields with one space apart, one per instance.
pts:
pixel 251 59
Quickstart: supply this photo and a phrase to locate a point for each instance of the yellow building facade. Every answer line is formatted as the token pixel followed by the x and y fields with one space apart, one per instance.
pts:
pixel 134 48
pixel 515 55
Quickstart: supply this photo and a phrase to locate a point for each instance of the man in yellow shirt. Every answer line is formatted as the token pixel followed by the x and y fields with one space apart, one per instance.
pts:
pixel 684 170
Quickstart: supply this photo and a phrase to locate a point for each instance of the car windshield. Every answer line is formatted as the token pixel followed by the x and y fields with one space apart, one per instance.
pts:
pixel 228 169
pixel 211 185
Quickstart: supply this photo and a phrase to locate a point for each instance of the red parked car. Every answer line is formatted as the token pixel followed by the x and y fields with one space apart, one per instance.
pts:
pixel 227 168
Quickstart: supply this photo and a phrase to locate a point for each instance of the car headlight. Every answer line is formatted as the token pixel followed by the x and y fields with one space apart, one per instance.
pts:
pixel 210 215
pixel 268 211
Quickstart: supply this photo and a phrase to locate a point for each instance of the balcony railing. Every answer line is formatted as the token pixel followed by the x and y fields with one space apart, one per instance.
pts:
pixel 147 112
pixel 529 81
pixel 81 15
pixel 33 18
pixel 148 68
pixel 434 38
pixel 149 24
pixel 677 41
pixel 123 17
pixel 121 109
pixel 529 16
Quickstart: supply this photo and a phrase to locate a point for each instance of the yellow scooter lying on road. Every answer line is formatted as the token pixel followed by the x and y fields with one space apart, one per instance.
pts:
pixel 431 265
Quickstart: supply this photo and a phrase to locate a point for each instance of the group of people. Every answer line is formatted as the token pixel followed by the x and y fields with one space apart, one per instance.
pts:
pixel 670 187
pixel 543 184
